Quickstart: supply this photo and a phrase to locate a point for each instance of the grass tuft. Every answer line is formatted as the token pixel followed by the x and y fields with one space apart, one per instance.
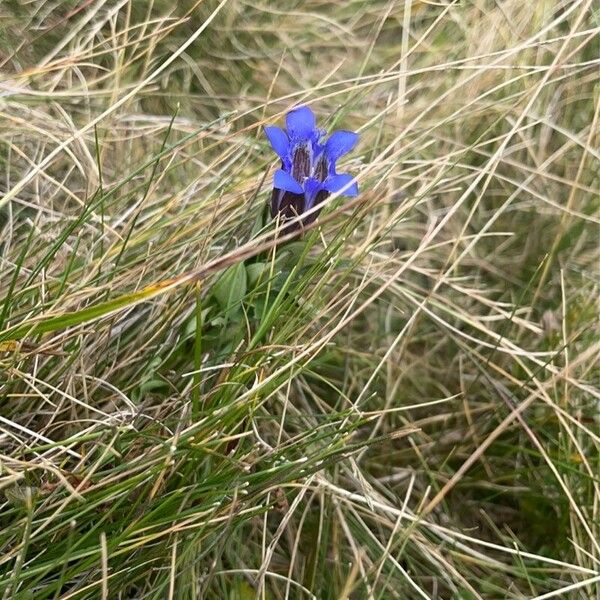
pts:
pixel 401 402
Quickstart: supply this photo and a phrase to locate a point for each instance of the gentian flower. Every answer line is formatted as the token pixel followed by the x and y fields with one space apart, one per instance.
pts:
pixel 308 172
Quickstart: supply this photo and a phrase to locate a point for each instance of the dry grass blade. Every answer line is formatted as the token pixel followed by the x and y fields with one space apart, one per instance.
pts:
pixel 399 400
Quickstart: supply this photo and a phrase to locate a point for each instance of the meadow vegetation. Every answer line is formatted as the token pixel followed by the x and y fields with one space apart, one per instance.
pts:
pixel 401 401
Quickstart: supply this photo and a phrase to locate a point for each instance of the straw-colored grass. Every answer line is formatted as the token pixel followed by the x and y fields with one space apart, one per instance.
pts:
pixel 401 402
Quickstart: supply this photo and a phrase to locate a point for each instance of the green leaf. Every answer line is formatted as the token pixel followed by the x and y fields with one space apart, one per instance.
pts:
pixel 189 327
pixel 291 252
pixel 255 272
pixel 230 289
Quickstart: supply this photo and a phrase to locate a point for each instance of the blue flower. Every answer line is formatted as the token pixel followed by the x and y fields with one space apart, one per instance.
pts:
pixel 307 175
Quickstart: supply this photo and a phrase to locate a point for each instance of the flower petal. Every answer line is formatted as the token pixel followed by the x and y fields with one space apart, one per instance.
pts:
pixel 301 124
pixel 290 206
pixel 284 181
pixel 279 140
pixel 340 143
pixel 275 201
pixel 335 183
pixel 311 188
pixel 319 199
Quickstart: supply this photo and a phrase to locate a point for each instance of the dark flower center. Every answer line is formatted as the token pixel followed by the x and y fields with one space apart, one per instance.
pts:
pixel 301 166
pixel 321 168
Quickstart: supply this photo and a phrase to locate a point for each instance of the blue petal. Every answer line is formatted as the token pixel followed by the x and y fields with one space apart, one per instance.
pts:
pixel 334 183
pixel 312 187
pixel 301 124
pixel 279 140
pixel 340 143
pixel 284 181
